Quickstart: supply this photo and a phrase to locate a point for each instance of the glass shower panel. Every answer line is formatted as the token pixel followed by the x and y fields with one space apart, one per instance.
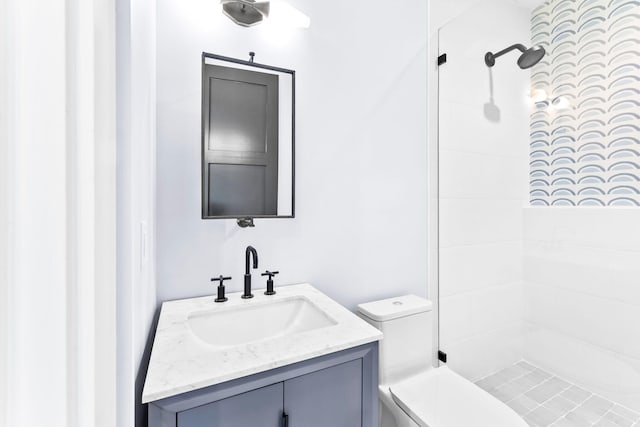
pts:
pixel 483 156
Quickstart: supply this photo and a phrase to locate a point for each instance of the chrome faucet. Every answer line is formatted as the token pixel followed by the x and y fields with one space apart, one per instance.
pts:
pixel 251 251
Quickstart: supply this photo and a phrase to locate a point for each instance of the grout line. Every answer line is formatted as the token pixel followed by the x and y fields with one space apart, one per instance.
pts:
pixel 491 287
pixel 503 242
pixel 482 243
pixel 490 198
pixel 610 299
pixel 610 410
pixel 497 154
pixel 633 251
pixel 500 370
pixel 557 394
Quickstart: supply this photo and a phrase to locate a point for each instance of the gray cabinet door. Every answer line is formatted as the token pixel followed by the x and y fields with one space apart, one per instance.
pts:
pixel 257 408
pixel 330 397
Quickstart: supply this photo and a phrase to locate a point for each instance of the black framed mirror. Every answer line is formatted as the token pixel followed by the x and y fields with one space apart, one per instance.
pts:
pixel 248 139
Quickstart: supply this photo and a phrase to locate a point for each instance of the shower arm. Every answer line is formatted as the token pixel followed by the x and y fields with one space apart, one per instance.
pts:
pixel 518 46
pixel 490 58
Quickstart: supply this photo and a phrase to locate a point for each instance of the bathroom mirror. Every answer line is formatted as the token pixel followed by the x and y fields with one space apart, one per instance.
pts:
pixel 248 124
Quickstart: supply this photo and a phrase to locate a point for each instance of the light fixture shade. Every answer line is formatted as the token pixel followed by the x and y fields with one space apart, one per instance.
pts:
pixel 245 12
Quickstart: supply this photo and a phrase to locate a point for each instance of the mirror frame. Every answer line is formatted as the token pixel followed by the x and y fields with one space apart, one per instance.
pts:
pixel 205 56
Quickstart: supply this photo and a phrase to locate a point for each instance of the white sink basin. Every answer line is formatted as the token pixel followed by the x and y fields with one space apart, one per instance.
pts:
pixel 242 325
pixel 200 343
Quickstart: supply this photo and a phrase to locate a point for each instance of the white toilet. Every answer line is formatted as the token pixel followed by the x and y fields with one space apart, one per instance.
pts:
pixel 413 392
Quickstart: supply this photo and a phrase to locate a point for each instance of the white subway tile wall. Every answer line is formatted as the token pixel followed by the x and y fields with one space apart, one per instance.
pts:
pixel 582 297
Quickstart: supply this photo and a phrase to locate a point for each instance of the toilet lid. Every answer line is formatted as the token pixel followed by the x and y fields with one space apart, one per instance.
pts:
pixel 442 398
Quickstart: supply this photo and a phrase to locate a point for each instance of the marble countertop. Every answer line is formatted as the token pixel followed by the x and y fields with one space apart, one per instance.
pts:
pixel 180 362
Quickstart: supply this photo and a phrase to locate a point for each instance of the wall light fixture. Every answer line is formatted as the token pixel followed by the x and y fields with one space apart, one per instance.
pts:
pixel 250 12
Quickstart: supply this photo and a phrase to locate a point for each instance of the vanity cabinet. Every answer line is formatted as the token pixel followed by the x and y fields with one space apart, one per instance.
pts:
pixel 337 390
pixel 261 407
pixel 330 397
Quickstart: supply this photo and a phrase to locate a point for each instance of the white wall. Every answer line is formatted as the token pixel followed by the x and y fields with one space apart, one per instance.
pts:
pixel 136 105
pixel 361 153
pixel 5 194
pixel 58 213
pixel 37 296
pixel 483 123
pixel 582 294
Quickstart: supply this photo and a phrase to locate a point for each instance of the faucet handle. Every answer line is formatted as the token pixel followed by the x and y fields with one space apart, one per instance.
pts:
pixel 270 290
pixel 270 274
pixel 221 279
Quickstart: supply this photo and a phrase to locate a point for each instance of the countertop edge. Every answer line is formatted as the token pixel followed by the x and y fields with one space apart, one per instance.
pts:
pixel 152 397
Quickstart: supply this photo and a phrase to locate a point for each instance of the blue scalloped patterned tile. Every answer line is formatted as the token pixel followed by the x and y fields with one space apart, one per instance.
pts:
pixel 586 153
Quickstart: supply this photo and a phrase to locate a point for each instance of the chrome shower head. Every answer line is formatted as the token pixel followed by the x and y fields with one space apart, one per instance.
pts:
pixel 531 57
pixel 528 59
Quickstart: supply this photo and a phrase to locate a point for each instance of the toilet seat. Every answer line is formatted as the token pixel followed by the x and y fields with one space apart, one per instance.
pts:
pixel 441 398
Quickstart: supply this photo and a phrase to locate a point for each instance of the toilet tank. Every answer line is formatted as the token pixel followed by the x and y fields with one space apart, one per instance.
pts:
pixel 406 323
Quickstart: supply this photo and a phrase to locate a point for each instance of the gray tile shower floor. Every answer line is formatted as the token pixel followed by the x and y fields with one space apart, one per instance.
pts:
pixel 544 400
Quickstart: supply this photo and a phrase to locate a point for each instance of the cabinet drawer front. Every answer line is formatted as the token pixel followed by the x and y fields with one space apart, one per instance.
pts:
pixel 257 408
pixel 329 397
